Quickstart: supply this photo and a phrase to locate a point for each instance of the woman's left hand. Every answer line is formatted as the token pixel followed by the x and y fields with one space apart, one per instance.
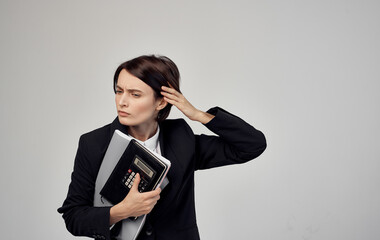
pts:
pixel 174 97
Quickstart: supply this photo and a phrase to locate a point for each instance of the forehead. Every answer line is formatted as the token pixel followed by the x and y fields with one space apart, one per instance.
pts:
pixel 128 81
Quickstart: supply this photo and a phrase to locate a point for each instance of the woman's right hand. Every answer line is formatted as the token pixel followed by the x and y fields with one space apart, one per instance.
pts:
pixel 135 203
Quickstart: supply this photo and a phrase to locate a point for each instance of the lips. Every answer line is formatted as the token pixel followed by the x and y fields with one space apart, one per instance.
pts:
pixel 123 114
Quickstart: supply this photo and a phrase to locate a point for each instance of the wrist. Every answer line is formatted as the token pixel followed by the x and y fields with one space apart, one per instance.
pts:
pixel 117 213
pixel 204 117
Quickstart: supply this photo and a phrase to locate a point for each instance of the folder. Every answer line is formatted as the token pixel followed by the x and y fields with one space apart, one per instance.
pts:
pixel 135 159
pixel 110 186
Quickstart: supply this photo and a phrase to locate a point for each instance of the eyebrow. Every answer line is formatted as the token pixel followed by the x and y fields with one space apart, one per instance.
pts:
pixel 129 90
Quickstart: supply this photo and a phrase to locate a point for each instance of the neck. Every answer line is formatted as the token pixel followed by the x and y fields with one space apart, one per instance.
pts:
pixel 143 132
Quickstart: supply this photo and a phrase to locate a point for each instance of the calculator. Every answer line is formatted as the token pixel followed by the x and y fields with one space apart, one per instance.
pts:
pixel 135 159
pixel 146 174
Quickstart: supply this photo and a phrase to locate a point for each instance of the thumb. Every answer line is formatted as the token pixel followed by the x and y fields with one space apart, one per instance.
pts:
pixel 136 183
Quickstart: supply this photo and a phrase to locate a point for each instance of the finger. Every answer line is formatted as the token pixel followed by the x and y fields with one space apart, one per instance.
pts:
pixel 158 191
pixel 136 183
pixel 175 103
pixel 169 95
pixel 153 200
pixel 170 90
pixel 152 194
pixel 156 198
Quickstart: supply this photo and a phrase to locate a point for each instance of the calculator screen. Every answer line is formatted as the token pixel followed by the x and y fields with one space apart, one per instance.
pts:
pixel 143 167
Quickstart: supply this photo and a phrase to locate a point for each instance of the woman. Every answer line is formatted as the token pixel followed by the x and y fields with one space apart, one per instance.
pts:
pixel 145 89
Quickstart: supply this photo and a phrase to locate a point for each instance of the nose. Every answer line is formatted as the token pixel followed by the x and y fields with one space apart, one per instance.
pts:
pixel 123 100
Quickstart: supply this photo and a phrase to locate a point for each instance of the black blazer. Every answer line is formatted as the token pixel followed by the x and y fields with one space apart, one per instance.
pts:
pixel 173 217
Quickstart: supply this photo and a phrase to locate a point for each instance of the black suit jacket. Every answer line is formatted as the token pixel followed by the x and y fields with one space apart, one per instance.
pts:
pixel 173 217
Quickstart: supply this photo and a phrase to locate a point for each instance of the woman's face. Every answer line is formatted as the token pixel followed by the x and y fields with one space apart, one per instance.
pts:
pixel 135 101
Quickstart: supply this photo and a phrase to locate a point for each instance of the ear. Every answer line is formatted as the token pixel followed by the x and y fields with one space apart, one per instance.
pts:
pixel 161 104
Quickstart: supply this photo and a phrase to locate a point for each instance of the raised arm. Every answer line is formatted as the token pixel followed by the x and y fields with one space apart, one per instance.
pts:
pixel 237 141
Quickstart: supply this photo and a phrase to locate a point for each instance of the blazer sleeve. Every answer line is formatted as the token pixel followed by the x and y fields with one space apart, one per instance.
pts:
pixel 237 141
pixel 81 218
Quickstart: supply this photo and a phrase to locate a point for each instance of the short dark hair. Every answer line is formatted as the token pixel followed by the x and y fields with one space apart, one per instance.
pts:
pixel 154 70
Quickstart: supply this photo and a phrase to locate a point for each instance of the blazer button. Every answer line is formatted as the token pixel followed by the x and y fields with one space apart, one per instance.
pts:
pixel 148 232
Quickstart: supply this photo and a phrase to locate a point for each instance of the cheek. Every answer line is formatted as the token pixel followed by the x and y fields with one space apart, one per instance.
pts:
pixel 143 107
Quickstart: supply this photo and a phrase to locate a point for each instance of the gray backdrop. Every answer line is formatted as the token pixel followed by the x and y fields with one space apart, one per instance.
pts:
pixel 304 72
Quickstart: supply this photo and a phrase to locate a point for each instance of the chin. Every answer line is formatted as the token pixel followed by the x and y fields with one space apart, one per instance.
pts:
pixel 126 121
pixel 129 122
